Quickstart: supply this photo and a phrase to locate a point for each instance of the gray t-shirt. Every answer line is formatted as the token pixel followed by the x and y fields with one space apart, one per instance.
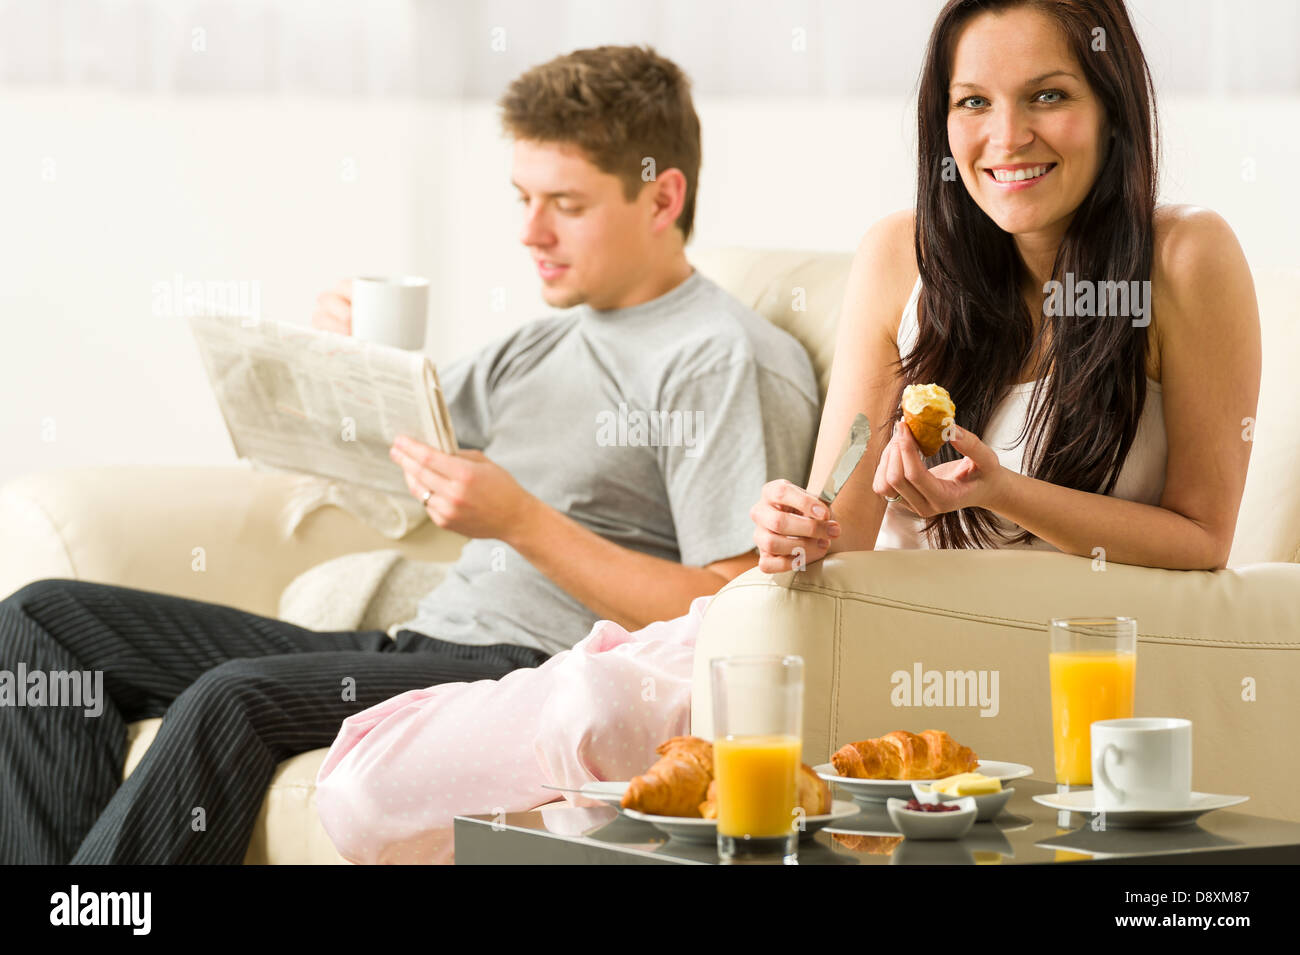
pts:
pixel 654 426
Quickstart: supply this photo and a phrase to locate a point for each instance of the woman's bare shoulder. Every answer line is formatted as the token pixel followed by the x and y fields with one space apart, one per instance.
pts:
pixel 1184 235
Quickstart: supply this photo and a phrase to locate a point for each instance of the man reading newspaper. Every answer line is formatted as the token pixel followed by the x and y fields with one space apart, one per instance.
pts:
pixel 574 508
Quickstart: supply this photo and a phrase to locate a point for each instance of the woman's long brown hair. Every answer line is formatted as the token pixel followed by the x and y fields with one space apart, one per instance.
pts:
pixel 975 331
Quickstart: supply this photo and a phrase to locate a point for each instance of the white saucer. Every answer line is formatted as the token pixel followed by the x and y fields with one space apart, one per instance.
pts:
pixel 878 790
pixel 702 831
pixel 1081 801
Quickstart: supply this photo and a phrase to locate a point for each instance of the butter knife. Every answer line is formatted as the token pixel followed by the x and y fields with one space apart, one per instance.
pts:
pixel 855 445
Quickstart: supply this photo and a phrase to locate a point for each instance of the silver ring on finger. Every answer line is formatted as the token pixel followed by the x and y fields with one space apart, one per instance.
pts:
pixel 425 500
pixel 895 499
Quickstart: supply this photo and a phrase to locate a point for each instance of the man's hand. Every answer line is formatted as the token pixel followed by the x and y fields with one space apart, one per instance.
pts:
pixel 472 495
pixel 334 309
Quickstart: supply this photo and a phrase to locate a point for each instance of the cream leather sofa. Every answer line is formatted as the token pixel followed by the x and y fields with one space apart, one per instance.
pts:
pixel 855 619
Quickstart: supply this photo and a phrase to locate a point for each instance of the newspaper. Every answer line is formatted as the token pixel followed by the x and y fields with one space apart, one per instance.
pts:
pixel 302 399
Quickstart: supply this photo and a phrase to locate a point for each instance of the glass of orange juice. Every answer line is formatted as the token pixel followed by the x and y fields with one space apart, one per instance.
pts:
pixel 1093 669
pixel 757 749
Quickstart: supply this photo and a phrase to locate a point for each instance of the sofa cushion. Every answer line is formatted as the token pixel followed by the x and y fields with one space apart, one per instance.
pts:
pixel 370 590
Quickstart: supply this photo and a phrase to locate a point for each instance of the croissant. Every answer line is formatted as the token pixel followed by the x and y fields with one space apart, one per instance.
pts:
pixel 932 754
pixel 928 409
pixel 677 783
pixel 813 795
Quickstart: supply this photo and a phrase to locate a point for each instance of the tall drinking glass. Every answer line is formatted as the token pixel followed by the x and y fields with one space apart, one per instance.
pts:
pixel 757 749
pixel 1093 668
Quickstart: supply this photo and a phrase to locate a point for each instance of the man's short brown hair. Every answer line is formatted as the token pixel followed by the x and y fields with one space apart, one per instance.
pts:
pixel 620 105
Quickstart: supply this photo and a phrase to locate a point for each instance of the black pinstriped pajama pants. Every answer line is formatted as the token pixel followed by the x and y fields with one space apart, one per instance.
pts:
pixel 238 692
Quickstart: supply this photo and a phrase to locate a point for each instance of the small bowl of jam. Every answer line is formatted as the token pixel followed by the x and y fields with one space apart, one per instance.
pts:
pixel 937 820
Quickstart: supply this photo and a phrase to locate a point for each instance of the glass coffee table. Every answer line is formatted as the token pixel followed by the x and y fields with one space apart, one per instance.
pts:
pixel 1025 832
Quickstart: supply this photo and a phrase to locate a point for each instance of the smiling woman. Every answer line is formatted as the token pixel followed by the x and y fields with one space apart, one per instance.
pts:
pixel 1061 90
pixel 1048 113
pixel 1037 173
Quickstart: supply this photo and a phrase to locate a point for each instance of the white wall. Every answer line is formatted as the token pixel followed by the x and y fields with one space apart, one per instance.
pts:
pixel 451 49
pixel 105 194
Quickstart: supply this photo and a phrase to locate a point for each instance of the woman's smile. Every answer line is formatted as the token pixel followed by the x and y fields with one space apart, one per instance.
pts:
pixel 1019 176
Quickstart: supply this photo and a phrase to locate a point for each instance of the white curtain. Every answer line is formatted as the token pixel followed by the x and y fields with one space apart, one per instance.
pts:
pixel 441 48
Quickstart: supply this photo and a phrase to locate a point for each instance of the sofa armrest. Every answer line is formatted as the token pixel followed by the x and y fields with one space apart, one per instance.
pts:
pixel 1219 648
pixel 206 533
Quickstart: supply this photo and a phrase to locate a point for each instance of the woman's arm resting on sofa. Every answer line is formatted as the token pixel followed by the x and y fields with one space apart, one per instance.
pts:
pixel 1079 522
pixel 1209 339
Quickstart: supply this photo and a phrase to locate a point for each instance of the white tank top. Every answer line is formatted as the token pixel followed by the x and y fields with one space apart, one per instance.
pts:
pixel 1141 479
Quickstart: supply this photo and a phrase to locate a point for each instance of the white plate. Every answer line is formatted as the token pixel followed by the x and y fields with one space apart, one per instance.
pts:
pixel 878 790
pixel 610 792
pixel 1081 801
pixel 703 831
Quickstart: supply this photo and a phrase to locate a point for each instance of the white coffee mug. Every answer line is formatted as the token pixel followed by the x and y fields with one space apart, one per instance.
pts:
pixel 391 310
pixel 1142 763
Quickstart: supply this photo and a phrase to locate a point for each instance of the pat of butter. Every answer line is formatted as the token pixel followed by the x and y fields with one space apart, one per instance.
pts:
pixel 967 784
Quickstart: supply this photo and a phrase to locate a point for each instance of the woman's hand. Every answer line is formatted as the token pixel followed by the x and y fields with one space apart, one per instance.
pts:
pixel 792 527
pixel 974 481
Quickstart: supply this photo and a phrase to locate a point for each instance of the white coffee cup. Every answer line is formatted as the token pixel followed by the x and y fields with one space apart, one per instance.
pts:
pixel 1142 763
pixel 391 310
